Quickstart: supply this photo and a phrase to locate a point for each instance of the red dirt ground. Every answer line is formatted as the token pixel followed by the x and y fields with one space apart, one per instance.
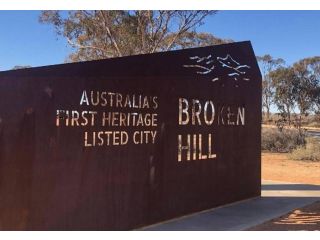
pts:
pixel 278 167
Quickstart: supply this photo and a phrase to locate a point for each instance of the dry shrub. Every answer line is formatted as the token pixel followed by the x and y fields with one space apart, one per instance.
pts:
pixel 310 152
pixel 315 124
pixel 282 141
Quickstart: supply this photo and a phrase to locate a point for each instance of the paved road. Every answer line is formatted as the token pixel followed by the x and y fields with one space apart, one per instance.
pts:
pixel 314 133
pixel 277 199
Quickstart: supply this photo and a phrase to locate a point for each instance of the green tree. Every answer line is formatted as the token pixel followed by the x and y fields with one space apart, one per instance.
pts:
pixel 104 34
pixel 283 80
pixel 314 65
pixel 306 73
pixel 268 64
pixel 316 100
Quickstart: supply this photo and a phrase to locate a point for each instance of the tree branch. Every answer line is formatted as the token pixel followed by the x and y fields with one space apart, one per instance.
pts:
pixel 87 47
pixel 114 42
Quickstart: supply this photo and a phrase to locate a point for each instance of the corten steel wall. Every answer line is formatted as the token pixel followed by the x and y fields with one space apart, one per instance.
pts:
pixel 50 181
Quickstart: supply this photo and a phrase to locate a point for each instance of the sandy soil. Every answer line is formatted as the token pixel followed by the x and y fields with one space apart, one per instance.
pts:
pixel 278 167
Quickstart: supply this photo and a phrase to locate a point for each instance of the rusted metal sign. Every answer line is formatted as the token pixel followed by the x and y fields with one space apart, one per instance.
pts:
pixel 122 143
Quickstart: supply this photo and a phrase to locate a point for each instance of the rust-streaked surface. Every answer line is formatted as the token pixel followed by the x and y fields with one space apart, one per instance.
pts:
pixel 49 180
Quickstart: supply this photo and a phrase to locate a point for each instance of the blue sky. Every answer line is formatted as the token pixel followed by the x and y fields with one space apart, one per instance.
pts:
pixel 291 35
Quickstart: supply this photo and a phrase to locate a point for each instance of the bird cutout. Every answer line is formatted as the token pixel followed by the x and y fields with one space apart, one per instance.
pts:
pixel 207 65
pixel 205 68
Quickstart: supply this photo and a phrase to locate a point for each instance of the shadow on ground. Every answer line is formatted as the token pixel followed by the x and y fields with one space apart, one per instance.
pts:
pixel 277 199
pixel 306 218
pixel 239 216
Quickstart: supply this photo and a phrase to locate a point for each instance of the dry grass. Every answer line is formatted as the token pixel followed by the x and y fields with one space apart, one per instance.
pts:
pixel 314 124
pixel 309 152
